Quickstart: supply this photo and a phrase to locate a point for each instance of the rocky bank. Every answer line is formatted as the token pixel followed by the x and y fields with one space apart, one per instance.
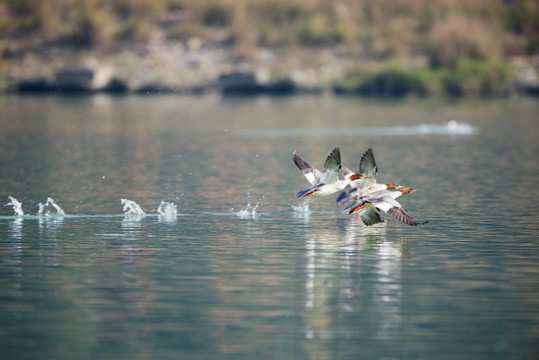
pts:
pixel 193 66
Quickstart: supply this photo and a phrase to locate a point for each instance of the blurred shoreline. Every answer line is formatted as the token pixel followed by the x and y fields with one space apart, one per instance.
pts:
pixel 453 48
pixel 176 67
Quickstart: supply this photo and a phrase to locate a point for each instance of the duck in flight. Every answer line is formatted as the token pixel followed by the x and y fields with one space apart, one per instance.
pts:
pixel 327 182
pixel 383 200
pixel 368 184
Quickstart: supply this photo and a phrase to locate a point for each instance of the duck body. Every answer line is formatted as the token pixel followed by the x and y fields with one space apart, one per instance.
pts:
pixel 368 184
pixel 327 182
pixel 353 194
pixel 324 189
pixel 384 200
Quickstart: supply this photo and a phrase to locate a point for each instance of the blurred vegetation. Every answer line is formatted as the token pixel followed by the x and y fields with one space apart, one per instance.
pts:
pixel 465 43
pixel 467 77
pixel 391 82
pixel 445 29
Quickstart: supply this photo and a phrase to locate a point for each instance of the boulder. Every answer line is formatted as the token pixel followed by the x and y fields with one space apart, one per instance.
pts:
pixel 116 86
pixel 527 88
pixel 247 84
pixel 281 87
pixel 82 79
pixel 34 85
pixel 238 83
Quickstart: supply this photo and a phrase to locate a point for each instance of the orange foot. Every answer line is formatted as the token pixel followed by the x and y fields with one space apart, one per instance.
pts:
pixel 359 207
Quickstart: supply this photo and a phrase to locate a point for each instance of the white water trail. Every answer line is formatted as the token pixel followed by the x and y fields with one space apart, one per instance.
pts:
pixel 50 208
pixel 131 208
pixel 17 206
pixel 450 127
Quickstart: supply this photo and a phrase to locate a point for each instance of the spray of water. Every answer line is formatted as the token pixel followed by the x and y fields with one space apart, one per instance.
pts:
pixel 132 208
pixel 302 209
pixel 17 206
pixel 249 211
pixel 50 208
pixel 167 210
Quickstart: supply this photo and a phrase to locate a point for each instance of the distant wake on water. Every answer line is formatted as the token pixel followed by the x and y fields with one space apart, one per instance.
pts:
pixel 450 127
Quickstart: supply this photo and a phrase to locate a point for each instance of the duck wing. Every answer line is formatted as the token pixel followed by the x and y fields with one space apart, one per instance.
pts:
pixel 370 215
pixel 332 166
pixel 387 203
pixel 346 197
pixel 367 167
pixel 400 214
pixel 312 175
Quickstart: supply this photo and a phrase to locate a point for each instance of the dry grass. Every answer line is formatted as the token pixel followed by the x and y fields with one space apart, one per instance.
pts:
pixel 444 31
pixel 460 37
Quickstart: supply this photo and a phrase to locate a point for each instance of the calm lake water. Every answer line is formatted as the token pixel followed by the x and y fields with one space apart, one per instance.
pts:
pixel 245 270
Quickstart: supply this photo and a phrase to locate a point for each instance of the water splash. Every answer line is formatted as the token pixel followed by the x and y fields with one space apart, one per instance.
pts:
pixel 50 208
pixel 131 208
pixel 302 210
pixel 167 210
pixel 249 211
pixel 17 206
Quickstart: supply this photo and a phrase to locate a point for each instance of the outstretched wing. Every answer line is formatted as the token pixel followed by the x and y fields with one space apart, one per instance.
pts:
pixel 313 175
pixel 332 166
pixel 400 214
pixel 346 197
pixel 370 215
pixel 367 167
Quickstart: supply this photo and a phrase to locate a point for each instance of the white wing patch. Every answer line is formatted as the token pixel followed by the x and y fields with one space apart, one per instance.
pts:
pixel 312 177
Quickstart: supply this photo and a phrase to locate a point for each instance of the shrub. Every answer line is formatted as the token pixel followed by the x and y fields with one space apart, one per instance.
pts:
pixel 475 77
pixel 389 83
pixel 467 78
